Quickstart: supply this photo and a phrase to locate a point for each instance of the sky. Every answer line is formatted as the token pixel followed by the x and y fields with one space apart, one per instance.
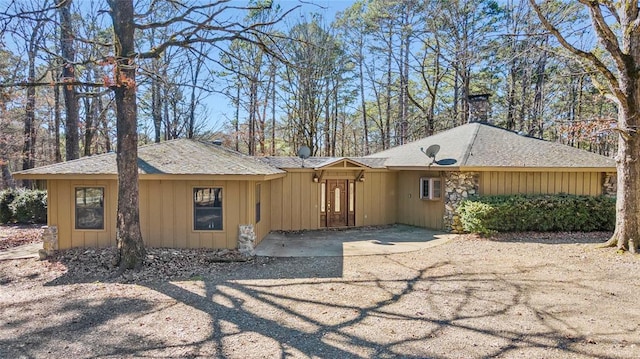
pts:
pixel 220 110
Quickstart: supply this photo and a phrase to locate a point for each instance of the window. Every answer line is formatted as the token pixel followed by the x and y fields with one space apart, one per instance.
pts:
pixel 258 202
pixel 430 188
pixel 323 197
pixel 352 197
pixel 336 200
pixel 89 208
pixel 207 209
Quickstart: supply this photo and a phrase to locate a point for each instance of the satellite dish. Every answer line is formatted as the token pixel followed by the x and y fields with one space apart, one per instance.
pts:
pixel 304 152
pixel 431 152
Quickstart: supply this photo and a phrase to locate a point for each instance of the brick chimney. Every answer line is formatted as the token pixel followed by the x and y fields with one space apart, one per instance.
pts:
pixel 479 108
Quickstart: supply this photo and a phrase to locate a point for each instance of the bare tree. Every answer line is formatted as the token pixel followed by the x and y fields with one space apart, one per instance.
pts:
pixel 195 24
pixel 616 27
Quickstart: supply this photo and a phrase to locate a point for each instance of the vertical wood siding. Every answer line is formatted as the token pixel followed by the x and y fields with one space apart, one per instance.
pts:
pixel 295 199
pixel 61 213
pixel 580 183
pixel 166 213
pixel 413 210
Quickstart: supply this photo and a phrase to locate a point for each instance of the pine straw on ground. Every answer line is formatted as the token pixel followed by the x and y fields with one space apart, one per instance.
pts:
pixel 19 234
pixel 518 295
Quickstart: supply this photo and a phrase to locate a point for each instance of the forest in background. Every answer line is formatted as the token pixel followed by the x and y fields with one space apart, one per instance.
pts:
pixel 379 74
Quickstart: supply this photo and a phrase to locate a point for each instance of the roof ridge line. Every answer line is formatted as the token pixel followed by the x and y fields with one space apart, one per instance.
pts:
pixel 473 140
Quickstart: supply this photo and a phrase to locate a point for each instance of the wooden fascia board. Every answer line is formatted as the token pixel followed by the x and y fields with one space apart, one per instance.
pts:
pixel 537 169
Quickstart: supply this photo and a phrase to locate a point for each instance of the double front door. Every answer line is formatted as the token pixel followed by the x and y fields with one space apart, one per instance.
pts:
pixel 337 203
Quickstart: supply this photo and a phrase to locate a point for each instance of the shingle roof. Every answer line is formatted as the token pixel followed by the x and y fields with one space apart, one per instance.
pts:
pixel 482 145
pixel 470 145
pixel 180 157
pixel 318 162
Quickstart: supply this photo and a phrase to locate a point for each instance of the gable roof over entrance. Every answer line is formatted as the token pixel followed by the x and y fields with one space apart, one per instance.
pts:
pixel 177 157
pixel 324 162
pixel 477 145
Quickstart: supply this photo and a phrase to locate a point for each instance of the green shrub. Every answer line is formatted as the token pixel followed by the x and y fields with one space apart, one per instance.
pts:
pixel 6 212
pixel 542 213
pixel 30 206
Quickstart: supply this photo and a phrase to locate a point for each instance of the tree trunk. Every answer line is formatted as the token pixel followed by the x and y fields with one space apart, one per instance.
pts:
pixel 68 74
pixel 627 233
pixel 363 102
pixel 156 102
pixel 128 234
pixel 273 109
pixel 29 147
pixel 56 115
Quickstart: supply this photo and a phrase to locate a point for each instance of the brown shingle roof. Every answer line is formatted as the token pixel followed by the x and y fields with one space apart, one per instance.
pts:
pixel 178 157
pixel 482 145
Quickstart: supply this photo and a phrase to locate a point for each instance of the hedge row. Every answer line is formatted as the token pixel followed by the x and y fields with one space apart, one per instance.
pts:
pixel 542 213
pixel 23 206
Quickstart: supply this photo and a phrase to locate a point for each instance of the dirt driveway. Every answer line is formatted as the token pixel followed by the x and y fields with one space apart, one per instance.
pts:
pixel 542 296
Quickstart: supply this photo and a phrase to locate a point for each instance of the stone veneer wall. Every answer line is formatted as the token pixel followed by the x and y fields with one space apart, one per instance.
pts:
pixel 49 241
pixel 610 184
pixel 247 240
pixel 457 186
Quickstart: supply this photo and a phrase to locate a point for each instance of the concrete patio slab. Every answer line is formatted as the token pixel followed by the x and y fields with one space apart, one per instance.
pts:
pixel 350 242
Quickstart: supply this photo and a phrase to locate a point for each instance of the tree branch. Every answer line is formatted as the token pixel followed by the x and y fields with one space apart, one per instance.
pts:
pixel 588 56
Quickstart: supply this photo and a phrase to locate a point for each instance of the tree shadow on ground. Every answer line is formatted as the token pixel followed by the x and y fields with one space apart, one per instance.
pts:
pixel 455 307
pixel 285 308
pixel 70 328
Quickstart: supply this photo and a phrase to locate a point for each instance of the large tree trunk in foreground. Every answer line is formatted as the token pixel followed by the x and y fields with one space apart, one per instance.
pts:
pixel 128 234
pixel 627 233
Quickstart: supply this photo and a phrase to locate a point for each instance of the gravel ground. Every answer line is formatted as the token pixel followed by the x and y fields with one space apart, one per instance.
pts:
pixel 515 296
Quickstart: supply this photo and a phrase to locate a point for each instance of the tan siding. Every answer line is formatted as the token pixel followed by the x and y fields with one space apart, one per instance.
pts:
pixel 263 227
pixel 360 199
pixel 65 216
pixel 294 202
pixel 183 222
pixel 166 213
pixel 295 199
pixel 581 183
pixel 544 182
pixel 61 213
pixel 415 211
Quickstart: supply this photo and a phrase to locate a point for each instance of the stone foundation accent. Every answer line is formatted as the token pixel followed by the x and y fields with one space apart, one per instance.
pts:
pixel 458 187
pixel 247 240
pixel 49 241
pixel 610 184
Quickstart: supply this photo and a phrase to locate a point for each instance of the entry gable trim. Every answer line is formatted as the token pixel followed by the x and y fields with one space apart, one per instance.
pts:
pixel 341 164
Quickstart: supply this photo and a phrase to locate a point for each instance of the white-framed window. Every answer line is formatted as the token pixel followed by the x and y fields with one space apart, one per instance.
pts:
pixel 430 188
pixel 207 209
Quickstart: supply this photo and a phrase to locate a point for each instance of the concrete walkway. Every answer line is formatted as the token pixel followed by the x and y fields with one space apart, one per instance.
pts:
pixel 21 252
pixel 350 242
